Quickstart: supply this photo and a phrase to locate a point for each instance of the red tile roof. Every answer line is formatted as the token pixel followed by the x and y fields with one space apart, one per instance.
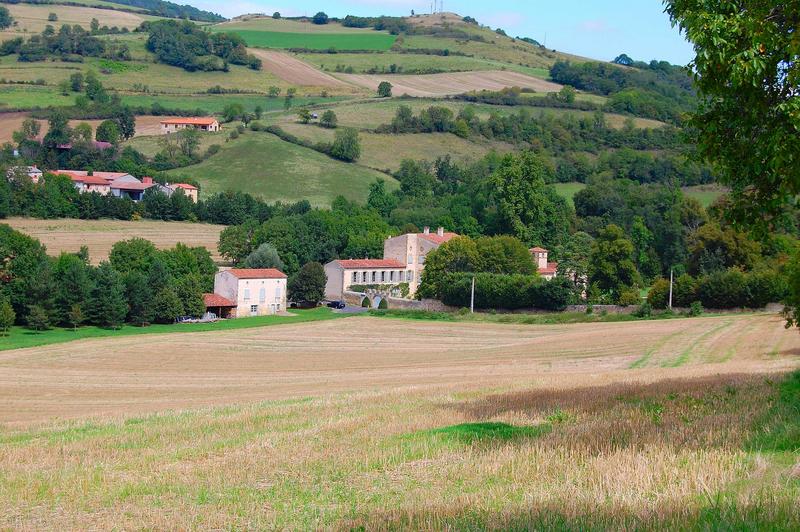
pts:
pixel 552 269
pixel 185 186
pixel 264 273
pixel 537 250
pixel 82 177
pixel 132 186
pixel 216 300
pixel 366 264
pixel 435 238
pixel 191 121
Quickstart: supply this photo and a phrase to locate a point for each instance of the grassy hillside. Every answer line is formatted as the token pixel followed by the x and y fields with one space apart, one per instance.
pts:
pixel 265 166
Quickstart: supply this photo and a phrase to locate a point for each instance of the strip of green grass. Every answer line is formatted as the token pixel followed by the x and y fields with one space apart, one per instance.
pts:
pixel 20 337
pixel 214 104
pixel 317 41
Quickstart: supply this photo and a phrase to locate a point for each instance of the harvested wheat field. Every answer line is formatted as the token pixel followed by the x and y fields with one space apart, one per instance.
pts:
pixel 11 122
pixel 100 235
pixel 295 71
pixel 373 423
pixel 433 85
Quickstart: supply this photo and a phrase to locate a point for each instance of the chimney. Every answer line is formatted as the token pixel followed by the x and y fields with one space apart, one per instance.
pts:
pixel 440 231
pixel 147 180
pixel 427 230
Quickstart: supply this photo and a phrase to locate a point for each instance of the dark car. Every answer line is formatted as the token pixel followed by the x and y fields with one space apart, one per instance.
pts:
pixel 339 305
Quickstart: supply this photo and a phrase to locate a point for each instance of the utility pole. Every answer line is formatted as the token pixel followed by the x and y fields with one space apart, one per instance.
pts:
pixel 670 288
pixel 472 297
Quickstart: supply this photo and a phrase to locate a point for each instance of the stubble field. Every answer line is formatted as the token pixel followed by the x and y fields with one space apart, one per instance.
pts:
pixel 99 236
pixel 386 424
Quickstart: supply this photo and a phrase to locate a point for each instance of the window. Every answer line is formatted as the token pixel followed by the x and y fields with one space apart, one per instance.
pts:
pixel 391 276
pixel 383 277
pixel 410 275
pixel 246 294
pixel 278 293
pixel 262 295
pixel 411 259
pixel 364 277
pixel 374 276
pixel 422 259
pixel 355 277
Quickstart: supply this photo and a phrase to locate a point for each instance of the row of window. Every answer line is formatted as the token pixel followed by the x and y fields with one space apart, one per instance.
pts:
pixel 420 259
pixel 273 308
pixel 382 277
pixel 262 294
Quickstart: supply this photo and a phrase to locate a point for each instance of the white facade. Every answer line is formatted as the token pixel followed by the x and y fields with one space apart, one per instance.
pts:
pixel 342 274
pixel 411 249
pixel 255 292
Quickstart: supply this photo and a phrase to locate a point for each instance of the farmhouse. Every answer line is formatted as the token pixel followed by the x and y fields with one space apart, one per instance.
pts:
pixel 247 292
pixel 31 171
pixel 403 262
pixel 343 274
pixel 176 124
pixel 548 270
pixel 122 185
pixel 412 248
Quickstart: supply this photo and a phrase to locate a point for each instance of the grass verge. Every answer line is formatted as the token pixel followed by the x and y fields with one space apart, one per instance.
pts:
pixel 20 337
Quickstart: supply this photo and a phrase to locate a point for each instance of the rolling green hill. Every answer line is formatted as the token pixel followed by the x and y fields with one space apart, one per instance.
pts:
pixel 266 166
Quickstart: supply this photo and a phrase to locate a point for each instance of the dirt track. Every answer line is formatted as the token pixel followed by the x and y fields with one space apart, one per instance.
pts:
pixel 294 71
pixel 131 375
pixel 432 85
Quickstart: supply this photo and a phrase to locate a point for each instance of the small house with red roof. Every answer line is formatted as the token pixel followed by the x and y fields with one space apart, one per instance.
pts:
pixel 240 293
pixel 171 125
pixel 548 270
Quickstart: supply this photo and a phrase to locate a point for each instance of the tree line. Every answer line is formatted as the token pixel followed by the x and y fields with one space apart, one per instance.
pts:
pixel 138 284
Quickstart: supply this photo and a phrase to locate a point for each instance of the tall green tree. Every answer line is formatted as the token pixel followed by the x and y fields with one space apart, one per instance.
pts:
pixel 308 285
pixel 166 305
pixel 527 207
pixel 747 68
pixel 73 285
pixel 612 268
pixel 454 256
pixel 133 255
pixel 574 259
pixel 7 316
pixel 384 89
pixel 264 256
pixel 346 145
pixel 504 254
pixel 6 20
pixel 107 306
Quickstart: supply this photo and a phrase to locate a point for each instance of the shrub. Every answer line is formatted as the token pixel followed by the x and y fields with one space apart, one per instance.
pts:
pixel 763 288
pixel 723 290
pixel 658 297
pixel 645 310
pixel 696 308
pixel 553 295
pixel 629 298
pixel 492 291
pixel 684 291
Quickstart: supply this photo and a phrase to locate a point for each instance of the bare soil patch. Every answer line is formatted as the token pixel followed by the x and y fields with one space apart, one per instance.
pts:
pixel 295 71
pixel 432 85
pixel 129 375
pixel 100 235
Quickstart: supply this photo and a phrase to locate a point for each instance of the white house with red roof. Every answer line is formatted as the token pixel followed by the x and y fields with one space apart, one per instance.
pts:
pixel 240 293
pixel 548 270
pixel 171 125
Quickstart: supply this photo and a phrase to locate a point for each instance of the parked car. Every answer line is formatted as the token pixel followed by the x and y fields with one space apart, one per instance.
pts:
pixel 338 305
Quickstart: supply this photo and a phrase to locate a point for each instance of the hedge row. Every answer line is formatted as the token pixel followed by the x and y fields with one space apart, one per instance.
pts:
pixel 721 290
pixel 510 292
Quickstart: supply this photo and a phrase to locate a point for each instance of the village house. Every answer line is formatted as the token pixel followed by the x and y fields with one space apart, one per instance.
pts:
pixel 172 125
pixel 240 293
pixel 412 248
pixel 122 185
pixel 342 274
pixel 403 262
pixel 31 171
pixel 547 270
